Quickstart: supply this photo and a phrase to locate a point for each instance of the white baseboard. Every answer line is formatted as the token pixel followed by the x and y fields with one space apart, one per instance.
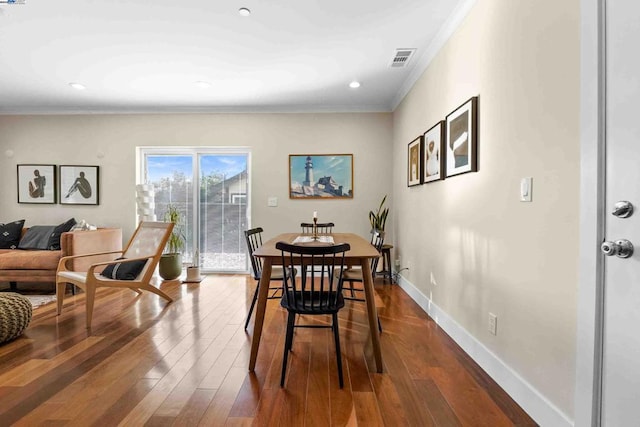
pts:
pixel 531 400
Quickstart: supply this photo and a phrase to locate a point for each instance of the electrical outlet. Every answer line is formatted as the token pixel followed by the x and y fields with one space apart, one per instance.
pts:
pixel 493 324
pixel 397 263
pixel 272 202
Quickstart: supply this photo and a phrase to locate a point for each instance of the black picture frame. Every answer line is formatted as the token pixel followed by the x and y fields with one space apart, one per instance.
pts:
pixel 79 185
pixel 36 184
pixel 462 138
pixel 434 153
pixel 415 151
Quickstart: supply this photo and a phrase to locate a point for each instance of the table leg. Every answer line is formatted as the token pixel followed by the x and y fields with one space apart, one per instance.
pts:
pixel 261 307
pixel 372 312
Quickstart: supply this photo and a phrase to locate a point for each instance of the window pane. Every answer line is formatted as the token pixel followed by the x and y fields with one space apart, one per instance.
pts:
pixel 223 212
pixel 172 179
pixel 221 198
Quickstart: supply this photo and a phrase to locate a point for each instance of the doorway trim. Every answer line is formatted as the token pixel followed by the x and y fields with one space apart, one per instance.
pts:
pixel 590 301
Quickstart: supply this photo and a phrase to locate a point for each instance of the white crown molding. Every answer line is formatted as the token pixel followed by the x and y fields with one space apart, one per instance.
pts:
pixel 424 58
pixel 202 110
pixel 531 400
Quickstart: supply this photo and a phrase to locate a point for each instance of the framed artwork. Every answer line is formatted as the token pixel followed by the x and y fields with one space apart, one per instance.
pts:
pixel 79 185
pixel 434 140
pixel 37 184
pixel 462 138
pixel 321 176
pixel 414 162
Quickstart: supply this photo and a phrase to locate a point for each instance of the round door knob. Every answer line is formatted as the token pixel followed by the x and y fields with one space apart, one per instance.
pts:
pixel 621 248
pixel 609 248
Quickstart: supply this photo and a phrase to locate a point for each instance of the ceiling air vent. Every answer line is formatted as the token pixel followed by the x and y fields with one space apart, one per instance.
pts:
pixel 402 57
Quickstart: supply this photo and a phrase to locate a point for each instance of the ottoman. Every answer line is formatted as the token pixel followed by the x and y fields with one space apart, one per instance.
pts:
pixel 15 315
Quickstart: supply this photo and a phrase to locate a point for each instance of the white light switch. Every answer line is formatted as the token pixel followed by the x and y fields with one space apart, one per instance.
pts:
pixel 525 189
pixel 272 202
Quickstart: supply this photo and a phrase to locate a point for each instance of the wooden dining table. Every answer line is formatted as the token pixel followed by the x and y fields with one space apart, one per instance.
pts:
pixel 361 253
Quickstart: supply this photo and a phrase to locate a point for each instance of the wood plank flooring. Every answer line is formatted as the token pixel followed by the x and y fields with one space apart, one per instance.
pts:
pixel 185 364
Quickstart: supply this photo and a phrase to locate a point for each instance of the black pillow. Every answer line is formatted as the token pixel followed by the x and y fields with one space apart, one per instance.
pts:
pixel 10 234
pixel 36 237
pixel 125 270
pixel 54 240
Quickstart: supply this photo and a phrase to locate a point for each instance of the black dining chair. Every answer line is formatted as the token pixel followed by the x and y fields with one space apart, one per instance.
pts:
pixel 322 227
pixel 253 238
pixel 312 294
pixel 351 276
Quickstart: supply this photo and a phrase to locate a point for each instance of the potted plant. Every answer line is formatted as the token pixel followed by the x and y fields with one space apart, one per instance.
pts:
pixel 378 219
pixel 170 266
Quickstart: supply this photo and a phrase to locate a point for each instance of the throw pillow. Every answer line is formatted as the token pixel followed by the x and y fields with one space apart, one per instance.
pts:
pixel 10 234
pixel 36 237
pixel 54 241
pixel 125 270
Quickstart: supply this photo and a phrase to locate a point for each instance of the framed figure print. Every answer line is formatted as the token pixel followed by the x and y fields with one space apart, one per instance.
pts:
pixel 79 185
pixel 321 176
pixel 462 138
pixel 433 148
pixel 37 184
pixel 414 162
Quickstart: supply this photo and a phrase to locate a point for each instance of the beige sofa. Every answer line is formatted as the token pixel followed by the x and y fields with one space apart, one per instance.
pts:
pixel 18 265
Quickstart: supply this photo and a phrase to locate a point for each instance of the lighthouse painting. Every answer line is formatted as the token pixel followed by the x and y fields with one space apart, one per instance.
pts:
pixel 320 176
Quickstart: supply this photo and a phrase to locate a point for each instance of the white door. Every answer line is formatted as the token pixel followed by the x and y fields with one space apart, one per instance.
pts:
pixel 621 339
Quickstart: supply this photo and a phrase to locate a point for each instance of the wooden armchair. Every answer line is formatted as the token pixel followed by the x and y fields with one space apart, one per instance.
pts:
pixel 146 244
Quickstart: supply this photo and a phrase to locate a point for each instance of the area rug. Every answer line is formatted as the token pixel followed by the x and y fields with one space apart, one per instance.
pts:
pixel 40 300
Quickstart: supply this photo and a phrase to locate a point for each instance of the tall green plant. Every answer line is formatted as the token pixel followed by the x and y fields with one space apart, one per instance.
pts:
pixel 379 219
pixel 176 241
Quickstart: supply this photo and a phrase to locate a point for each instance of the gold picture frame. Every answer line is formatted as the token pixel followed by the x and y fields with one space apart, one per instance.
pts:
pixel 321 176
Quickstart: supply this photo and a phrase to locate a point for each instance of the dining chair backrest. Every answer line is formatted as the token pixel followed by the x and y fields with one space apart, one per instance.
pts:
pixel 253 238
pixel 323 227
pixel 319 292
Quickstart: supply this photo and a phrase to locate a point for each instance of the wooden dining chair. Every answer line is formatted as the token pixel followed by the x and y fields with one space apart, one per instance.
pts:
pixel 133 270
pixel 352 276
pixel 312 294
pixel 323 227
pixel 253 238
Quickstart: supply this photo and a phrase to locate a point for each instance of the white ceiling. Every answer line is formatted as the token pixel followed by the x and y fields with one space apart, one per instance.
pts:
pixel 146 55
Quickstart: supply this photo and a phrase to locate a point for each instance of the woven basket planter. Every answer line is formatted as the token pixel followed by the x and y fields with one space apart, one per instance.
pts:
pixel 15 315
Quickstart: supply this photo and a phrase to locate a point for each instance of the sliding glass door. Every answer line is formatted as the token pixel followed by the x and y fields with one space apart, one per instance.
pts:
pixel 223 211
pixel 211 188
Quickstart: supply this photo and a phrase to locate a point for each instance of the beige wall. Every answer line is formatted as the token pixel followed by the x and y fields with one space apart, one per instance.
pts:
pixel 272 137
pixel 472 246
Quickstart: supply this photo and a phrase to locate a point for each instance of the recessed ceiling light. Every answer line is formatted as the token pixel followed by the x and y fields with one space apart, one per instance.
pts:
pixel 202 84
pixel 243 11
pixel 354 84
pixel 77 86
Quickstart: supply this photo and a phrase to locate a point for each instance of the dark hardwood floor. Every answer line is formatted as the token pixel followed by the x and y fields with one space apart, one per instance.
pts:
pixel 185 364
